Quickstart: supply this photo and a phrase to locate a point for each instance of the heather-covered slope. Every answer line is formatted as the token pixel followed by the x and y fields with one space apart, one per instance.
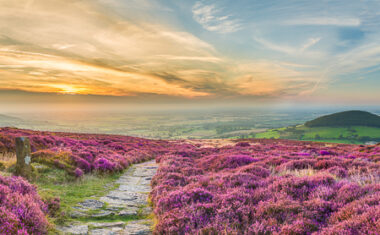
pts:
pixel 21 208
pixel 269 187
pixel 60 157
pixel 205 187
pixel 84 153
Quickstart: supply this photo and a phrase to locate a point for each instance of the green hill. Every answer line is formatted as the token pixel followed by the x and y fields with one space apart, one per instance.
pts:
pixel 348 118
pixel 356 127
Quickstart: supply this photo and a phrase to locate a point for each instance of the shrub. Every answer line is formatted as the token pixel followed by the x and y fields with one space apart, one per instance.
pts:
pixel 227 191
pixel 21 210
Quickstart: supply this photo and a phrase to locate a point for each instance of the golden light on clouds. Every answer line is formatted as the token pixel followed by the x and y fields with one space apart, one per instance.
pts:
pixel 67 89
pixel 82 47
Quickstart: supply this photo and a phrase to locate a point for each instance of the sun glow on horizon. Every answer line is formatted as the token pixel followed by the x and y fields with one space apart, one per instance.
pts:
pixel 149 50
pixel 68 89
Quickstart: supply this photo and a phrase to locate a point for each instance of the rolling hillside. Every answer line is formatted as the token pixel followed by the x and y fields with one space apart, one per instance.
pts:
pixel 348 118
pixel 356 127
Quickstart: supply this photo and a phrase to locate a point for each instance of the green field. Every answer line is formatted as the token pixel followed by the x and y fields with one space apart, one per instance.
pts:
pixel 352 134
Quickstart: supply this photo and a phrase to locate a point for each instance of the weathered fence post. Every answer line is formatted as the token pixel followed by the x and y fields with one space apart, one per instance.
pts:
pixel 23 167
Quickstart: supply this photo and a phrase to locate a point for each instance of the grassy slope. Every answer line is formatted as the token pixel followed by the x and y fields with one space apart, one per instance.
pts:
pixel 56 183
pixel 326 134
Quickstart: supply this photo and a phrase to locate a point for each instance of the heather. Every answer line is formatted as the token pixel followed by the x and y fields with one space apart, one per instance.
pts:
pixel 68 168
pixel 268 187
pixel 21 209
pixel 79 154
pixel 251 187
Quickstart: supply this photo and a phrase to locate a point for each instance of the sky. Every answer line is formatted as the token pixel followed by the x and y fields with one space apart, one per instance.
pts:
pixel 171 51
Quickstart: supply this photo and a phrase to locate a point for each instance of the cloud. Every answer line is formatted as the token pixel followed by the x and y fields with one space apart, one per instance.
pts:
pixel 213 19
pixel 325 21
pixel 311 42
pixel 274 46
pixel 85 47
pixel 291 50
pixel 47 44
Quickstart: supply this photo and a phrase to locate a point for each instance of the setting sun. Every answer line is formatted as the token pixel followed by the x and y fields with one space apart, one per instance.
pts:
pixel 68 89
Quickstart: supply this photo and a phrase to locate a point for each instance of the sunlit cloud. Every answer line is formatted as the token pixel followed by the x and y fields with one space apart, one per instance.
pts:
pixel 187 49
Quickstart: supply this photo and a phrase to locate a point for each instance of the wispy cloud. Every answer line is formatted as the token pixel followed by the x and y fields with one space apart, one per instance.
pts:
pixel 311 42
pixel 274 46
pixel 213 19
pixel 324 21
pixel 145 48
pixel 93 51
pixel 291 50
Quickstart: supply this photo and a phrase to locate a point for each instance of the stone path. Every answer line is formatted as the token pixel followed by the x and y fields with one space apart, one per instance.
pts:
pixel 126 203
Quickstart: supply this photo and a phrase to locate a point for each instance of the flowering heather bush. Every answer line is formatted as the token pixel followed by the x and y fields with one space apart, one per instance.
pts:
pixel 86 152
pixel 78 173
pixel 268 187
pixel 21 209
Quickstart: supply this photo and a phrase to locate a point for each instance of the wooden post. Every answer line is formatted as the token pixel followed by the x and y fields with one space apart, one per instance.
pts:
pixel 23 167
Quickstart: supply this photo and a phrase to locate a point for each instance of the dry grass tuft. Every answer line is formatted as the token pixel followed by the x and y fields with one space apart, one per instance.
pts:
pixel 8 159
pixel 297 172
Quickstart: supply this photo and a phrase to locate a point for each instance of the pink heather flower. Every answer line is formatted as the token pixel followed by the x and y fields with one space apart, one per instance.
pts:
pixel 78 173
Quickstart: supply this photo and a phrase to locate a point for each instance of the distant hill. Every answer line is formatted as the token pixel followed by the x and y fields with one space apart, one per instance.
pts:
pixel 347 118
pixel 8 118
pixel 354 127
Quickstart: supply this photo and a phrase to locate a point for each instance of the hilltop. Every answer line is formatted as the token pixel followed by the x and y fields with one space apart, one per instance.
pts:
pixel 347 118
pixel 356 127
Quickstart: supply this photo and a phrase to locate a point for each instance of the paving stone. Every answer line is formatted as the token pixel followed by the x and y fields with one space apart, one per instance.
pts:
pixel 107 225
pixel 92 204
pixel 129 212
pixel 77 214
pixel 102 214
pixel 132 194
pixel 113 231
pixel 138 227
pixel 146 211
pixel 74 229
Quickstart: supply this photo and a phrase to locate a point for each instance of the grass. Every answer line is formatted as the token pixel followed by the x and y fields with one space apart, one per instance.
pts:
pixel 326 132
pixel 274 133
pixel 115 218
pixel 335 141
pixel 7 159
pixel 57 183
pixel 52 183
pixel 346 135
pixel 297 172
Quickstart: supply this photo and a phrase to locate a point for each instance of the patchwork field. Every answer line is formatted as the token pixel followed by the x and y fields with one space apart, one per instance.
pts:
pixel 352 134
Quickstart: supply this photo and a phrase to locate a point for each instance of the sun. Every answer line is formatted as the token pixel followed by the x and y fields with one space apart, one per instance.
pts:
pixel 68 89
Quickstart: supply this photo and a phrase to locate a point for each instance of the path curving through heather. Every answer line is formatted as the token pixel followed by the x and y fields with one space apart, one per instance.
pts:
pixel 127 206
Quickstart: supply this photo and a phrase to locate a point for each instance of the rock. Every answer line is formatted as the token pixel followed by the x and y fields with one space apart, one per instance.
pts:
pixel 112 231
pixel 113 208
pixel 92 204
pixel 138 227
pixel 23 167
pixel 125 199
pixel 125 202
pixel 132 211
pixel 74 229
pixel 107 225
pixel 77 214
pixel 102 214
pixel 146 211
